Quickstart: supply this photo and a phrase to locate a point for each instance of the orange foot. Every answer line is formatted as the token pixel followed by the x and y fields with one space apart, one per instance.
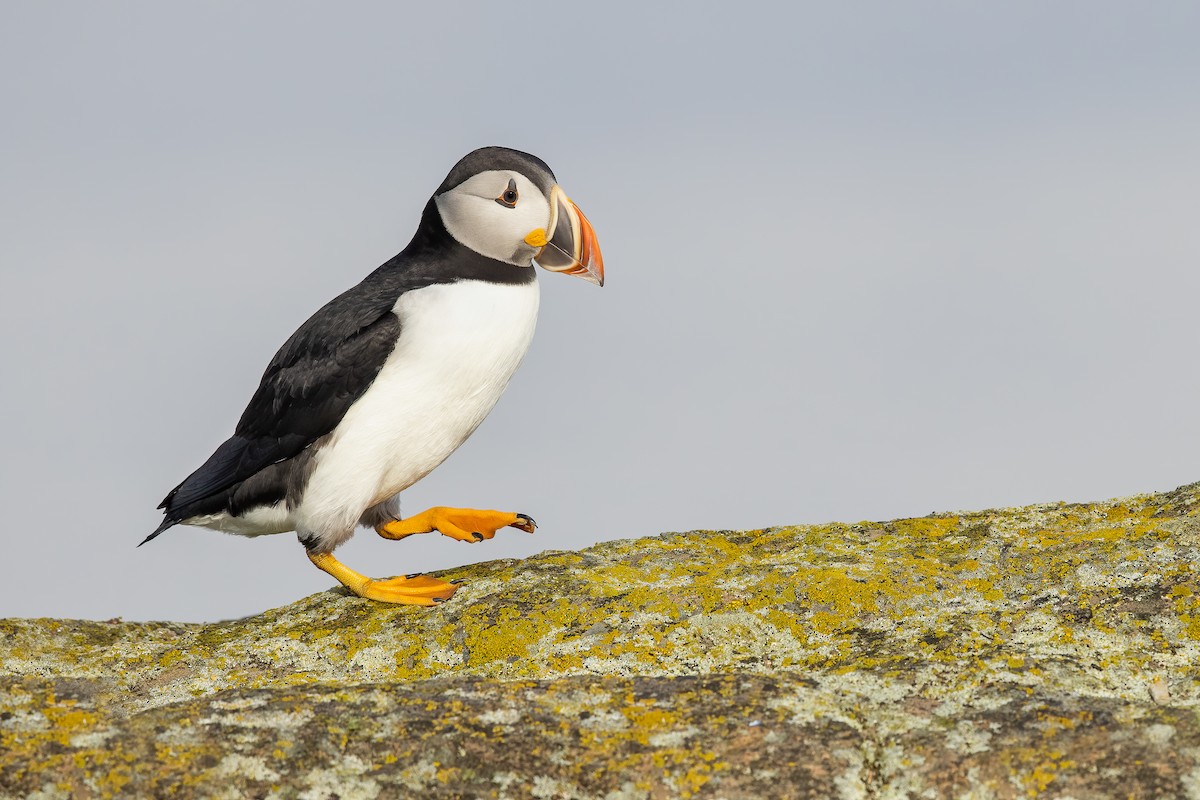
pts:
pixel 465 524
pixel 415 590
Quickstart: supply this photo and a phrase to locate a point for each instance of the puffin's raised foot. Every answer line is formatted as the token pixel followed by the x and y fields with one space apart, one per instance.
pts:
pixel 465 524
pixel 418 590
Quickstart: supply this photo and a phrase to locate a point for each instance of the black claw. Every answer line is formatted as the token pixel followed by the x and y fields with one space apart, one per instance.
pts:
pixel 414 575
pixel 459 583
pixel 527 518
pixel 439 599
pixel 477 536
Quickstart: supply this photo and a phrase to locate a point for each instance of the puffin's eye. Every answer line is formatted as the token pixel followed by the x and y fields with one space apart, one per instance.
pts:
pixel 509 196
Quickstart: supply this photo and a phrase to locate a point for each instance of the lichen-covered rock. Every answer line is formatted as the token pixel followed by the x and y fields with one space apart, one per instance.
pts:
pixel 1051 650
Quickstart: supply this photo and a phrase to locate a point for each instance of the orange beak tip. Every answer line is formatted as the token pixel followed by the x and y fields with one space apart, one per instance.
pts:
pixel 571 247
pixel 590 258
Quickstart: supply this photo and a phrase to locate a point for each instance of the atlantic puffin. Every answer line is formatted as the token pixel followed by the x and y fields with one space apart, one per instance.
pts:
pixel 386 380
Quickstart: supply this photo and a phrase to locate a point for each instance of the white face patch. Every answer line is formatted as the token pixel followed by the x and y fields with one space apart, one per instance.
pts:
pixel 473 216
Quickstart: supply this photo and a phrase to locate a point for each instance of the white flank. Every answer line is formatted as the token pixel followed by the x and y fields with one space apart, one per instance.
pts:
pixel 257 521
pixel 459 345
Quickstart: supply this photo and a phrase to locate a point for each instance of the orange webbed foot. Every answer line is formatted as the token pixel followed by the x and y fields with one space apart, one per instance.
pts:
pixel 464 524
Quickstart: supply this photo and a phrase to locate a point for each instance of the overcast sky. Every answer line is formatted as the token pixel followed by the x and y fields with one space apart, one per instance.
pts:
pixel 865 261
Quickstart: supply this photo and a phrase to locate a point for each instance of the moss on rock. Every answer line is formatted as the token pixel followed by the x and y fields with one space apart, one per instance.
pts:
pixel 1008 653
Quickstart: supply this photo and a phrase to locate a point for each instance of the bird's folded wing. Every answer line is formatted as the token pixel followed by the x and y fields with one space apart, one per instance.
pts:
pixel 305 391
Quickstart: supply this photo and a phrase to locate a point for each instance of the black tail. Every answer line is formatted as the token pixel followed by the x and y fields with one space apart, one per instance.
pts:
pixel 166 523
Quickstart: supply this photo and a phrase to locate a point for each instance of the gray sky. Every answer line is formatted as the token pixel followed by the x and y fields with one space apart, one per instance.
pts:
pixel 865 260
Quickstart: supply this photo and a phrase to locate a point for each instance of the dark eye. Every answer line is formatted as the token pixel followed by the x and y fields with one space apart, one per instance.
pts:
pixel 509 196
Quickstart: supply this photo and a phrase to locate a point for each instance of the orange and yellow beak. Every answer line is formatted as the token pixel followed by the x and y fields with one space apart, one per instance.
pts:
pixel 571 245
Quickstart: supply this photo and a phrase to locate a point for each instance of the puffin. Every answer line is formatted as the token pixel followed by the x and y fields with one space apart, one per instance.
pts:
pixel 385 381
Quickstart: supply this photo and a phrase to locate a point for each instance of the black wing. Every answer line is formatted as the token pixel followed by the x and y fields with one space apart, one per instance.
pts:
pixel 310 384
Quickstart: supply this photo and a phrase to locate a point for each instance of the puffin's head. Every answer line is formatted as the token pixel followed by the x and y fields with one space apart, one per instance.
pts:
pixel 506 205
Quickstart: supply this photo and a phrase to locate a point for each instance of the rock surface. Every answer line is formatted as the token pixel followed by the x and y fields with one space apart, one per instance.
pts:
pixel 1043 651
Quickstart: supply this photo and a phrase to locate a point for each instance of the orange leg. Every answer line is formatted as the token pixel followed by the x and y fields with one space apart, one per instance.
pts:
pixel 419 590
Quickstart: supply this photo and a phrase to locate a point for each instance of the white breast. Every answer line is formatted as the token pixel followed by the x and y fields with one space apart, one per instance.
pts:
pixel 459 345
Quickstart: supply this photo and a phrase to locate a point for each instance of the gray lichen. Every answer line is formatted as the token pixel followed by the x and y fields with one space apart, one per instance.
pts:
pixel 1049 650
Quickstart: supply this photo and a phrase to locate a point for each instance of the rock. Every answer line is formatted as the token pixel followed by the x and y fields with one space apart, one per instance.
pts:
pixel 1050 650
